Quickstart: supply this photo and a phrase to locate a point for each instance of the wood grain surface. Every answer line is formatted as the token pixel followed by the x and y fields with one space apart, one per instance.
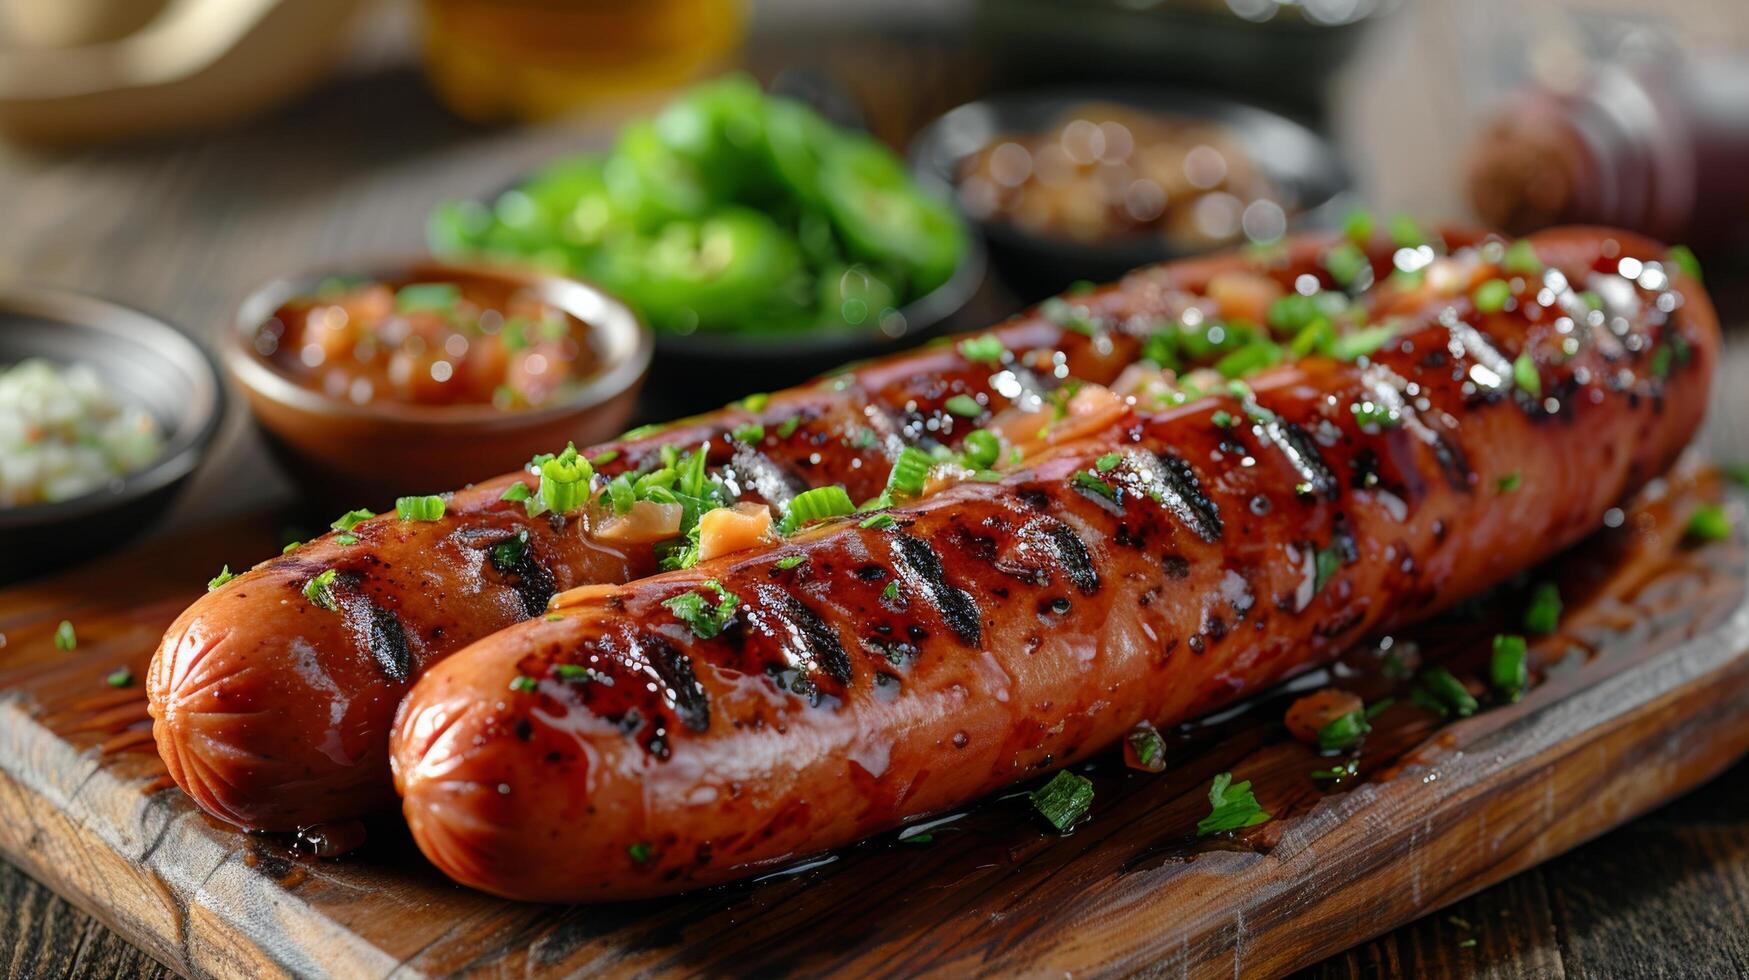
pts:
pixel 187 228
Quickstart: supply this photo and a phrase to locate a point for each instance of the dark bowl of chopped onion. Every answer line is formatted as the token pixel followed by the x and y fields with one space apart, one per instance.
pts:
pixel 150 403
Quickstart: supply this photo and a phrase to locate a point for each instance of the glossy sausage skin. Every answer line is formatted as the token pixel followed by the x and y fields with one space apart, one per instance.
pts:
pixel 274 714
pixel 1001 630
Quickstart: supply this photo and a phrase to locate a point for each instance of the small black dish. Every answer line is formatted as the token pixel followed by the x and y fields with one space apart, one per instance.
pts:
pixel 150 364
pixel 1302 163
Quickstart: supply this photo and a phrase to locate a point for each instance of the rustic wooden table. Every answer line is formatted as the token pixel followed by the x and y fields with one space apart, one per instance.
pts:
pixel 185 227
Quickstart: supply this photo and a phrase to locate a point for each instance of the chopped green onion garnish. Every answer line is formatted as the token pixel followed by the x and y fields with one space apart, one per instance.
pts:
pixel 564 483
pixel 1709 522
pixel 1448 692
pixel 788 562
pixel 1107 463
pixel 1509 667
pixel 1064 800
pixel 1373 413
pixel 1249 359
pixel 981 449
pixel 788 426
pixel 517 492
pixel 602 459
pixel 427 508
pixel 1509 483
pixel 640 852
pixel 705 620
pixel 818 504
pixel 986 349
pixel 572 672
pixel 910 472
pixel 1525 375
pixel 1223 419
pixel 1543 615
pixel 1343 731
pixel 879 521
pixel 1405 233
pixel 422 296
pixel 1147 748
pixel 1684 258
pixel 1492 296
pixel 523 683
pixel 65 639
pixel 1357 226
pixel 755 403
pixel 220 579
pixel 346 540
pixel 891 592
pixel 1345 263
pixel 290 547
pixel 965 406
pixel 351 519
pixel 509 553
pixel 1343 770
pixel 749 433
pixel 1521 259
pixel 1361 343
pixel 120 677
pixel 1086 480
pixel 1232 807
pixel 319 590
pixel 1326 564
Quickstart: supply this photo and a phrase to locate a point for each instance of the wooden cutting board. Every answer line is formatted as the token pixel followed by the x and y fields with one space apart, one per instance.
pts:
pixel 1638 697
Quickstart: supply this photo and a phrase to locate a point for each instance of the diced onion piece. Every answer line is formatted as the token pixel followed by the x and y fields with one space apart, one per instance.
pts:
pixel 1243 295
pixel 726 530
pixel 646 523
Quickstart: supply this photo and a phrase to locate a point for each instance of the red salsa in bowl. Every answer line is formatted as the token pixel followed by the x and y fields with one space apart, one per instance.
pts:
pixel 425 376
pixel 429 343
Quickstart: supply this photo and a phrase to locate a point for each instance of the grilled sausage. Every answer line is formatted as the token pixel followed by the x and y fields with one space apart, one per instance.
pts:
pixel 697 725
pixel 273 712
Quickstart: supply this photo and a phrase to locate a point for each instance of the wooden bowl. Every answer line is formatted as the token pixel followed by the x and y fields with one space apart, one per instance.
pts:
pixel 148 363
pixel 354 455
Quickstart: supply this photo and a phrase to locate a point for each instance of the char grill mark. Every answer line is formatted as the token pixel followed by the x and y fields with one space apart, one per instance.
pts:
pixel 387 641
pixel 956 606
pixel 1302 451
pixel 1185 497
pixel 1072 552
pixel 821 644
pixel 674 667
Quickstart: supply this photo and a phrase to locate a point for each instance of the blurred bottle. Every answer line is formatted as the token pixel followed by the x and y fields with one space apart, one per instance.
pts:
pixel 1657 145
pixel 501 60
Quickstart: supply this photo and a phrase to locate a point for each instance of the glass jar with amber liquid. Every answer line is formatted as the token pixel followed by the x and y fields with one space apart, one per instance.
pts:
pixel 503 60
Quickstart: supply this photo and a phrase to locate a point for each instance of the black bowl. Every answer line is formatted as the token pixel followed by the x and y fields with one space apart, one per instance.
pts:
pixel 1303 164
pixel 148 363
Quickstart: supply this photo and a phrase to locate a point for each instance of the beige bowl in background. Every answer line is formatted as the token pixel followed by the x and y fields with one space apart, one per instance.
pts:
pixel 354 455
pixel 93 70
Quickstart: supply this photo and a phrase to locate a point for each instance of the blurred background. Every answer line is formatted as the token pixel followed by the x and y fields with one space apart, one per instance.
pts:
pixel 177 155
pixel 850 178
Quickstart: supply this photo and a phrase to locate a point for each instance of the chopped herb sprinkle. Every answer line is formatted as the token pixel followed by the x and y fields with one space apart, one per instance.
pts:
pixel 1709 522
pixel 705 619
pixel 320 590
pixel 1232 807
pixel 986 349
pixel 1543 615
pixel 426 508
pixel 1509 666
pixel 964 406
pixel 523 683
pixel 66 640
pixel 1064 801
pixel 220 579
pixel 120 677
